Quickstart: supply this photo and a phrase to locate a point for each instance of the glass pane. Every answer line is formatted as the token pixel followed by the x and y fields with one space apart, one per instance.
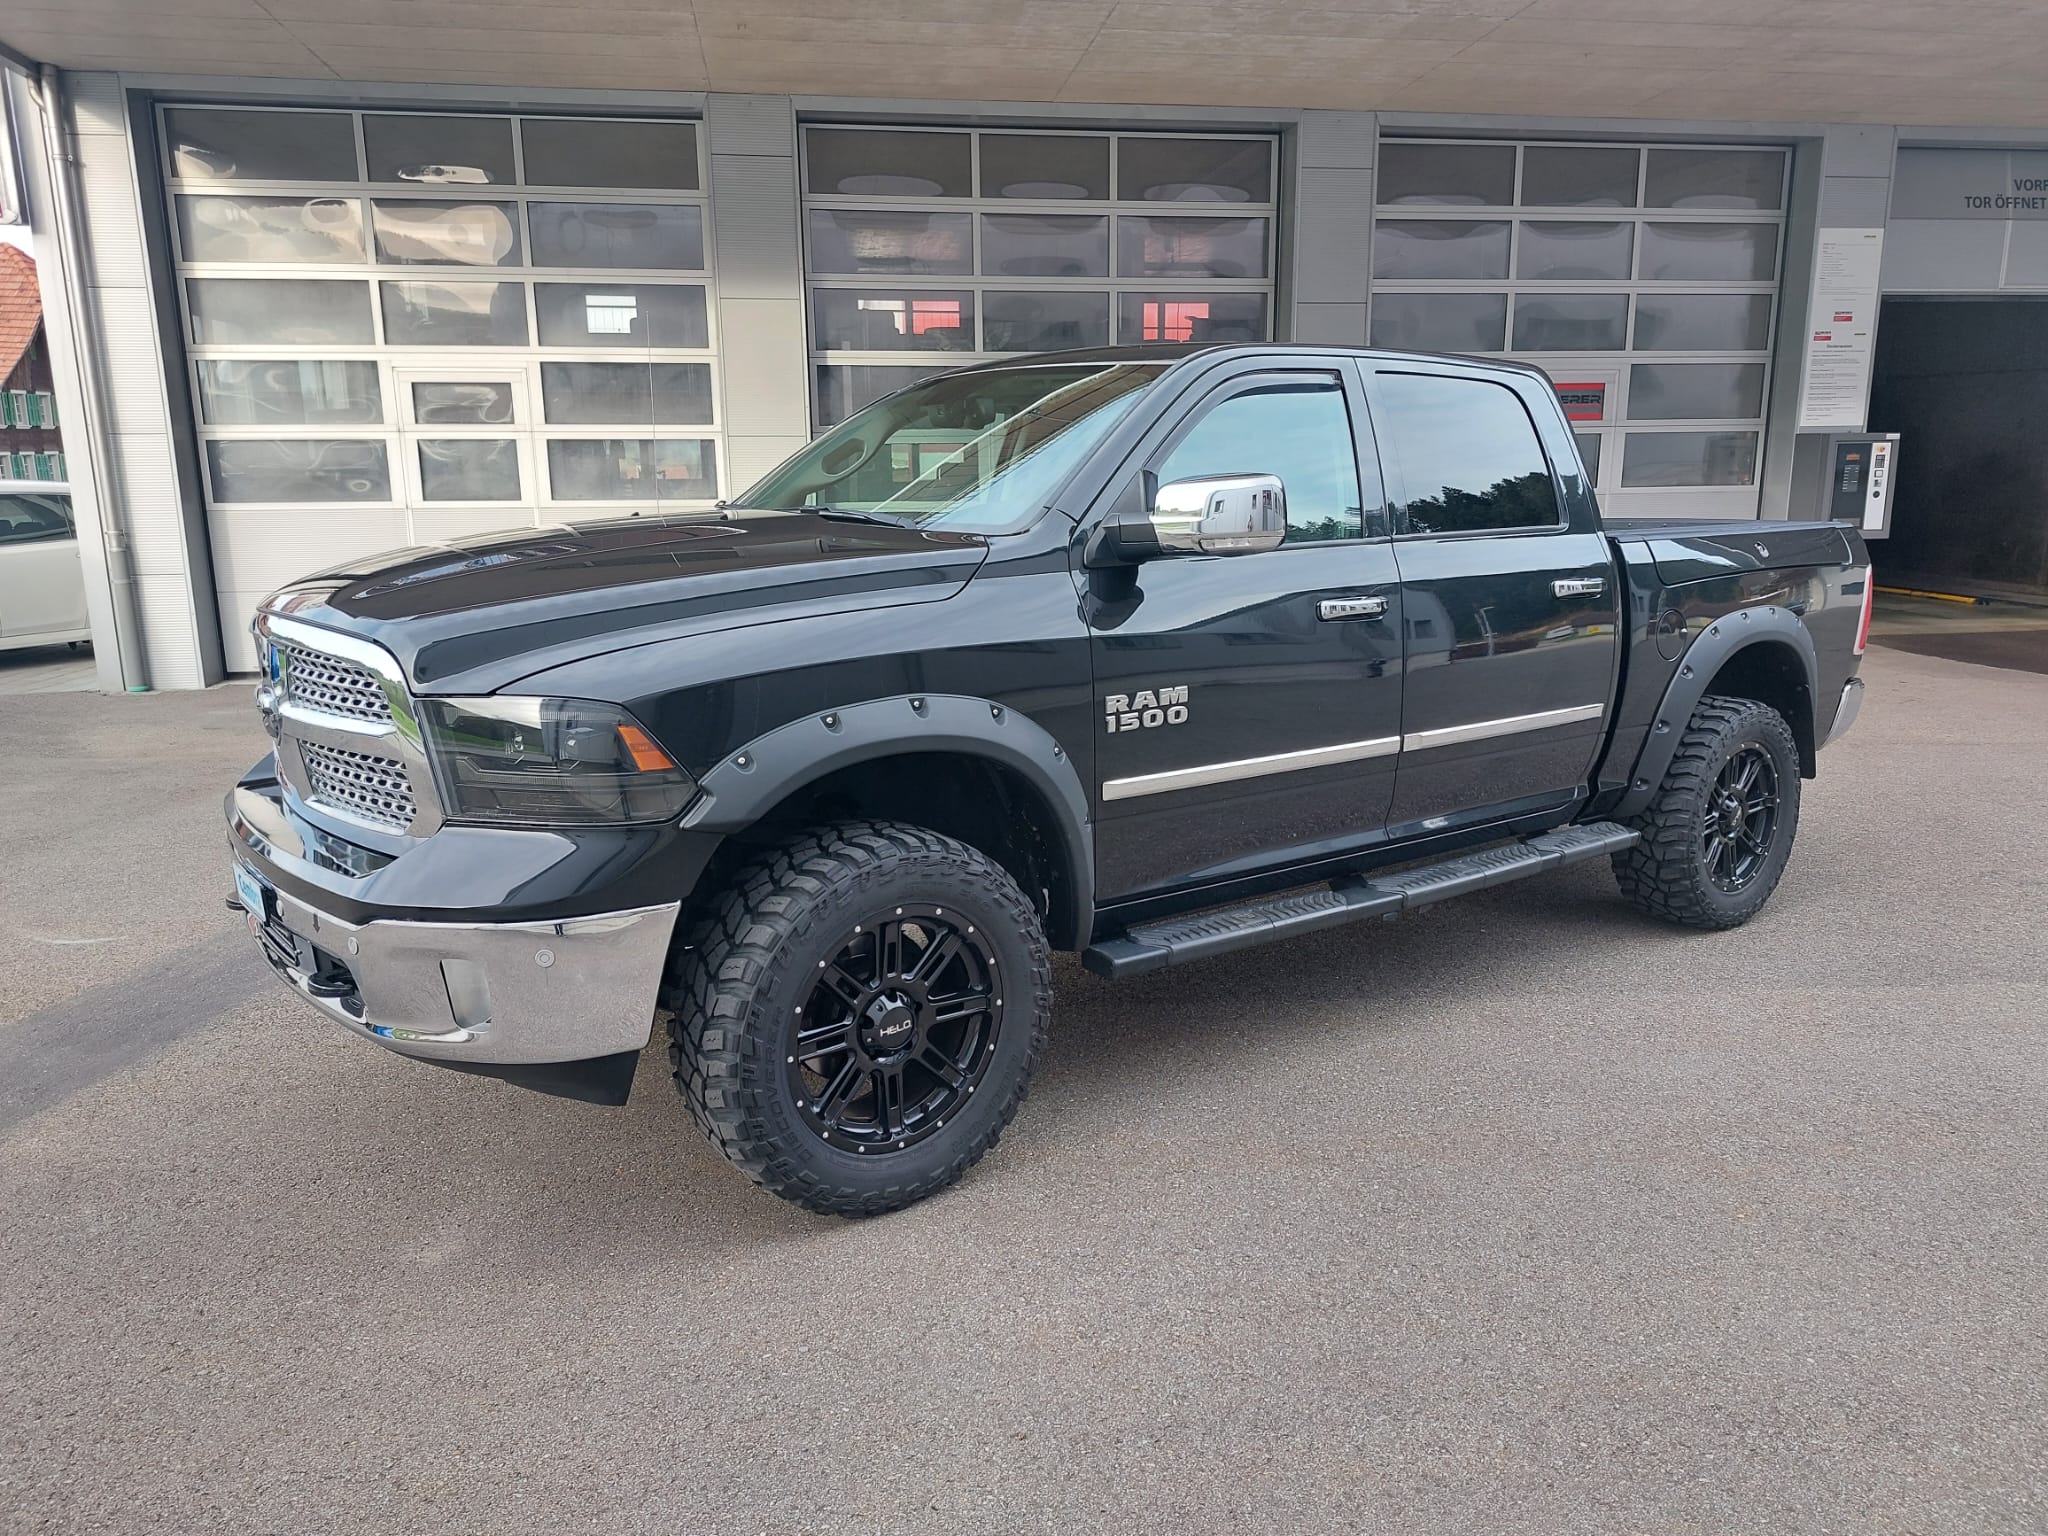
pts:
pixel 1688 458
pixel 652 236
pixel 1447 173
pixel 462 402
pixel 1149 247
pixel 843 389
pixel 446 234
pixel 878 162
pixel 438 151
pixel 1561 176
pixel 469 469
pixel 1440 322
pixel 626 394
pixel 1571 322
pixel 1469 455
pixel 1695 391
pixel 1298 431
pixel 211 145
pixel 1043 322
pixel 1221 317
pixel 241 311
pixel 454 314
pixel 632 469
pixel 621 315
pixel 1711 253
pixel 601 152
pixel 1703 322
pixel 897 244
pixel 1044 165
pixel 288 393
pixel 1559 252
pixel 1044 245
pixel 871 320
pixel 271 229
pixel 1182 170
pixel 1714 178
pixel 1589 453
pixel 301 469
pixel 1464 250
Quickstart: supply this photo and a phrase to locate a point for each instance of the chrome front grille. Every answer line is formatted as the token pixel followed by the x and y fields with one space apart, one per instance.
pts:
pixel 360 784
pixel 332 685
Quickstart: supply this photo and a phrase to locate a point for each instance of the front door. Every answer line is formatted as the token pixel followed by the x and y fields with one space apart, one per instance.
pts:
pixel 1249 705
pixel 1510 607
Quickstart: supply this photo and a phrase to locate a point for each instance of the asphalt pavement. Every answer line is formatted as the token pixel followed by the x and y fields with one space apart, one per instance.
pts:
pixel 1524 1215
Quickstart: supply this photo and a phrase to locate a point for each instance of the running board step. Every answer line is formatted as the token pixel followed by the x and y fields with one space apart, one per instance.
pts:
pixel 1154 946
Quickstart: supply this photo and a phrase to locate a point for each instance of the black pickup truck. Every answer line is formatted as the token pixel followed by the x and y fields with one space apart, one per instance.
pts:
pixel 1147 654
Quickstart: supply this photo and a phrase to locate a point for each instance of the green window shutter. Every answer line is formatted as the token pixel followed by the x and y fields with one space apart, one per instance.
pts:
pixel 6 410
pixel 57 467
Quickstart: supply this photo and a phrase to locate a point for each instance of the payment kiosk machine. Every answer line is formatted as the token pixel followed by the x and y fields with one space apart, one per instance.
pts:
pixel 1862 468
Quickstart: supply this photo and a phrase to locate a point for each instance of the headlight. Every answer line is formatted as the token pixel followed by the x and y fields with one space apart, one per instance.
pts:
pixel 549 762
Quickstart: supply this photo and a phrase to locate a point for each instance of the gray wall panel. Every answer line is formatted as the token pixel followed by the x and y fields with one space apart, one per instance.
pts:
pixel 1943 256
pixel 1332 235
pixel 1854 202
pixel 757 241
pixel 1334 324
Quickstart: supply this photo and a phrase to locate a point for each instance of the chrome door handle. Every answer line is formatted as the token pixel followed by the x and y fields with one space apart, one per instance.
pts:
pixel 1333 608
pixel 1579 586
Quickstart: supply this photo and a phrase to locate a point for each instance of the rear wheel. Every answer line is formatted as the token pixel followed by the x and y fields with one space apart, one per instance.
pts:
pixel 858 1019
pixel 1719 831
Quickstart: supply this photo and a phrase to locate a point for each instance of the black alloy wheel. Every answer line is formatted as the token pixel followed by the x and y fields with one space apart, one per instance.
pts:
pixel 897 1031
pixel 1741 820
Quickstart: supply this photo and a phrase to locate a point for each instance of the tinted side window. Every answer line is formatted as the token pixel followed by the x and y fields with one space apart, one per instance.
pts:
pixel 1298 429
pixel 1468 453
pixel 26 519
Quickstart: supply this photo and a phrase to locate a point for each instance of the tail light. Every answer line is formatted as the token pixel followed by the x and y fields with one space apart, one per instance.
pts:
pixel 1863 624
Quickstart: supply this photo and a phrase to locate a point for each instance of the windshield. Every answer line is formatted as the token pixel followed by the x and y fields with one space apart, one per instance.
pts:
pixel 977 452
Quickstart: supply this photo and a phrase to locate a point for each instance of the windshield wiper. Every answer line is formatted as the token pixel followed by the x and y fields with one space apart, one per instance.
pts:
pixel 858 515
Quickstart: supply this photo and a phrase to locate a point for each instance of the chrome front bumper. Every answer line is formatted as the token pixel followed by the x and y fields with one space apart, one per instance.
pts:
pixel 1846 711
pixel 476 993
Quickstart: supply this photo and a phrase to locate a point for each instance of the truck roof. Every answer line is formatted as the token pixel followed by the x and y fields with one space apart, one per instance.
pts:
pixel 1174 352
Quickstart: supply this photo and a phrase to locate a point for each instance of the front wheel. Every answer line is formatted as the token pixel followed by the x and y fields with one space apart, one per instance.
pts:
pixel 1719 830
pixel 858 1019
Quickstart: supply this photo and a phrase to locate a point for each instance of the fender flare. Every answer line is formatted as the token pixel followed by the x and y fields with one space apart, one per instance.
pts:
pixel 1722 639
pixel 752 779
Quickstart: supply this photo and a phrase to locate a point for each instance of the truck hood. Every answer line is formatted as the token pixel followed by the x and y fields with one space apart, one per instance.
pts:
pixel 477 614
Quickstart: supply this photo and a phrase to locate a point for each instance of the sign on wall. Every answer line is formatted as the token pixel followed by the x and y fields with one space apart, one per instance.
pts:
pixel 1841 334
pixel 1970 184
pixel 1586 401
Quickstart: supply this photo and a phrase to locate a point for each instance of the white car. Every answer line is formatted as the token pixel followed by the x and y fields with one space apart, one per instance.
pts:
pixel 42 590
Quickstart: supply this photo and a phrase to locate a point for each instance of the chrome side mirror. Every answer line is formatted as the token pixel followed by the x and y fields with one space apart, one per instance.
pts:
pixel 1220 515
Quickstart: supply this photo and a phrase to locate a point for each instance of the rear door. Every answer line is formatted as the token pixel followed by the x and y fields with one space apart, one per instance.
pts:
pixel 1510 608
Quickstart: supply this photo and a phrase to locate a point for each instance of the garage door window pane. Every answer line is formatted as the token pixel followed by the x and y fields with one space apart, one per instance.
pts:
pixel 244 311
pixel 1469 455
pixel 626 394
pixel 621 315
pixel 1043 322
pixel 1044 166
pixel 209 145
pixel 1560 176
pixel 1473 174
pixel 844 389
pixel 632 469
pixel 455 314
pixel 872 162
pixel 1711 253
pixel 1561 252
pixel 1651 459
pixel 1574 322
pixel 870 320
pixel 289 392
pixel 437 151
pixel 1714 178
pixel 1440 322
pixel 304 469
pixel 650 236
pixel 1589 453
pixel 1148 247
pixel 462 402
pixel 1703 322
pixel 591 152
pixel 1461 250
pixel 1218 317
pixel 1044 245
pixel 423 233
pixel 895 244
pixel 1695 391
pixel 271 229
pixel 469 469
pixel 1180 170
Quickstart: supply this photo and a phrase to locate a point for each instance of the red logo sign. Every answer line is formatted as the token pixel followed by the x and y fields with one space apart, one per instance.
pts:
pixel 1583 402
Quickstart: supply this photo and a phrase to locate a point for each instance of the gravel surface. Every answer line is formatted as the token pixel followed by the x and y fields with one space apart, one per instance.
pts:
pixel 1524 1215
